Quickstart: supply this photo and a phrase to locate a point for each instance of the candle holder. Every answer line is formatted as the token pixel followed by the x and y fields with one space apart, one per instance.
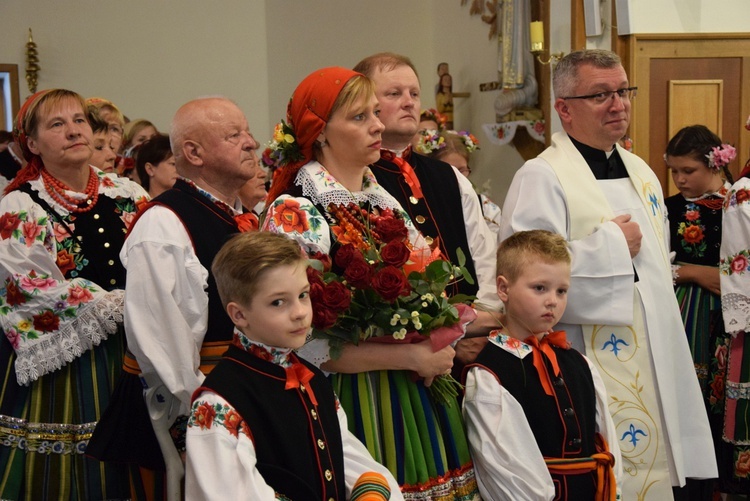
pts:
pixel 536 34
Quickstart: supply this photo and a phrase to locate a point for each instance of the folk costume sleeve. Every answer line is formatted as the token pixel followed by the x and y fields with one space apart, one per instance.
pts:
pixel 166 308
pixel 507 461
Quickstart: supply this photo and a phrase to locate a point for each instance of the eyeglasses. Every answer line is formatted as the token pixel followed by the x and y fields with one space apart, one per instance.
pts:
pixel 602 97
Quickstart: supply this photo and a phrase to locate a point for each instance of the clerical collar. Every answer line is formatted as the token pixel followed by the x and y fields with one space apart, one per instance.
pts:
pixel 603 166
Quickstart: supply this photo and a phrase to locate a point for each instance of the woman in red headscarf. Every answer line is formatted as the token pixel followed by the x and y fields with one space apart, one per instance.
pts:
pixel 323 185
pixel 62 223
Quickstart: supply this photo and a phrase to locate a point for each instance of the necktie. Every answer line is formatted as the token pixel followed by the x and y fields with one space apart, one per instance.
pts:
pixel 556 338
pixel 406 170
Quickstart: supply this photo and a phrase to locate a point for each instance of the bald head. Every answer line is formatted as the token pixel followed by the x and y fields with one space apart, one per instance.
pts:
pixel 212 145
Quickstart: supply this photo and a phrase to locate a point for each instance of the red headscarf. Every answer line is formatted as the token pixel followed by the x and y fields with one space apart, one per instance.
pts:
pixel 307 114
pixel 20 137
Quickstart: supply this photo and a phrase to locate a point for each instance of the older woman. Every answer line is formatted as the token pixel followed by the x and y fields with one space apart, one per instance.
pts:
pixel 333 116
pixel 62 225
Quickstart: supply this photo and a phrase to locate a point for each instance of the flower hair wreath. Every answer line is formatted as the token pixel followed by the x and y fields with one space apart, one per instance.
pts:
pixel 471 143
pixel 720 156
pixel 282 149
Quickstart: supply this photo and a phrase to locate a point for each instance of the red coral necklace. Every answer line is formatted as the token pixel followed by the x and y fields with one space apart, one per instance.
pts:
pixel 58 191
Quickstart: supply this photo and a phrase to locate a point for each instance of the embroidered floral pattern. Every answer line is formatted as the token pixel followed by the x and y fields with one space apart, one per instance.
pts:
pixel 278 356
pixel 205 415
pixel 509 344
pixel 736 264
pixel 691 230
pixel 742 463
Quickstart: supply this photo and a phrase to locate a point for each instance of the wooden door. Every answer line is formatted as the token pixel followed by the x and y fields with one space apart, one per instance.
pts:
pixel 685 80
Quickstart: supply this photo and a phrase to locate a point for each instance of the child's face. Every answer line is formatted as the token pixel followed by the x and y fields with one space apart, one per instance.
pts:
pixel 280 312
pixel 536 300
pixel 104 155
pixel 692 177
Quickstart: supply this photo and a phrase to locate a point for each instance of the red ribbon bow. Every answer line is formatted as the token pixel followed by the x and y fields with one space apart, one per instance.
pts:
pixel 247 221
pixel 556 338
pixel 298 375
pixel 406 170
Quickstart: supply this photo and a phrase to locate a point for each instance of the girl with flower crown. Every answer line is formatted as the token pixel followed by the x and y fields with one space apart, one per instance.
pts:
pixel 698 162
pixel 324 195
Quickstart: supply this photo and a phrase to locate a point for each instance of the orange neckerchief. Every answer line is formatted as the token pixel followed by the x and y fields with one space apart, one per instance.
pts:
pixel 556 338
pixel 406 170
pixel 297 376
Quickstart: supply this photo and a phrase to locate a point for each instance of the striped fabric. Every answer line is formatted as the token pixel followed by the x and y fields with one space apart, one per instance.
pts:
pixel 696 304
pixel 422 443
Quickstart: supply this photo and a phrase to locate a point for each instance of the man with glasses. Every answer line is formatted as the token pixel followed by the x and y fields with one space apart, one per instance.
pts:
pixel 622 312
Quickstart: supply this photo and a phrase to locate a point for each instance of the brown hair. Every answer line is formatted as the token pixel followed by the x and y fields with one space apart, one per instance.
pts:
pixel 242 261
pixel 98 124
pixel 526 247
pixel 132 129
pixel 153 151
pixel 383 61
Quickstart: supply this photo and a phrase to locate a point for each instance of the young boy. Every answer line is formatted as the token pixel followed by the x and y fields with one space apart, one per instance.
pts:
pixel 535 409
pixel 266 424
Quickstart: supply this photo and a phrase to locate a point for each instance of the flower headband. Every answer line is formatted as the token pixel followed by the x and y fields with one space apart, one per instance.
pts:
pixel 429 141
pixel 435 116
pixel 471 143
pixel 282 149
pixel 720 156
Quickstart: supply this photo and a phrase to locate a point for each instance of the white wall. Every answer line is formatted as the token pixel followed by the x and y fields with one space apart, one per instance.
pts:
pixel 148 57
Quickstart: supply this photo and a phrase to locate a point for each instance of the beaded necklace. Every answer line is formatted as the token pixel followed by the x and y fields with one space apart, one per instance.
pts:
pixel 58 191
pixel 356 223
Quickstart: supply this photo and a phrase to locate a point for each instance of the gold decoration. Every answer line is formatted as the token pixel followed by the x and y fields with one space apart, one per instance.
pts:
pixel 32 64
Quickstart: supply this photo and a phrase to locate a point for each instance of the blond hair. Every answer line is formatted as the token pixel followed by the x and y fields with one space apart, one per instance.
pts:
pixel 383 61
pixel 245 258
pixel 524 248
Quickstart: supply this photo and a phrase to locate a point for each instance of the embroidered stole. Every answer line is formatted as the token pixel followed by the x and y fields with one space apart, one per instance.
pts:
pixel 621 353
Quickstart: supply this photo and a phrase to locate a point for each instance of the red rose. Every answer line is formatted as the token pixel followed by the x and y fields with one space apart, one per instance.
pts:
pixel 13 295
pixel 65 261
pixel 204 415
pixel 46 322
pixel 358 272
pixel 323 318
pixel 345 254
pixel 721 356
pixel 692 215
pixel 316 285
pixel 390 283
pixel 391 228
pixel 742 196
pixel 395 253
pixel 717 389
pixel 325 259
pixel 337 297
pixel 742 466
pixel 693 234
pixel 739 263
pixel 232 421
pixel 8 224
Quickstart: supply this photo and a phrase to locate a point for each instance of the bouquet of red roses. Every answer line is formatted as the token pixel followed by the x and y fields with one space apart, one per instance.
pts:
pixel 388 291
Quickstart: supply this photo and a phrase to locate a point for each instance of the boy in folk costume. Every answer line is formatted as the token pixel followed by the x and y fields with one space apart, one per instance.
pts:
pixel 265 424
pixel 535 408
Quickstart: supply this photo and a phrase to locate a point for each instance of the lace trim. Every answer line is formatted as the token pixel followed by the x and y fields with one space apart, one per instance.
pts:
pixel 45 438
pixel 114 187
pixel 456 485
pixel 322 189
pixel 92 325
pixel 736 310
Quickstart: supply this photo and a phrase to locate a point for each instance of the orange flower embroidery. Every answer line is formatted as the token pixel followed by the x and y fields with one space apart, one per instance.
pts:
pixel 204 415
pixel 290 217
pixel 693 234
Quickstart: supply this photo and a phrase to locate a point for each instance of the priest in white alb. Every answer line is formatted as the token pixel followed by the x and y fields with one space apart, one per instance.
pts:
pixel 622 312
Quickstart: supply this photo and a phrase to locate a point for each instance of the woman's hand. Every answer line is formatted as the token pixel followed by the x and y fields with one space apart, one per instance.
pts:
pixel 430 364
pixel 705 276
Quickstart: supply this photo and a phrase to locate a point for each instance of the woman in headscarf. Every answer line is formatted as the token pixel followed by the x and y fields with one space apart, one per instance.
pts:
pixel 62 223
pixel 333 120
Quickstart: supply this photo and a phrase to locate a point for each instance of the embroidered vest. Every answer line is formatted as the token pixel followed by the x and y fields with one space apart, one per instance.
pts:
pixel 298 446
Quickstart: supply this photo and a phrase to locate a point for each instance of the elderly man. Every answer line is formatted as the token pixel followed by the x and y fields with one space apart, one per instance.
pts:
pixel 440 200
pixel 621 308
pixel 176 327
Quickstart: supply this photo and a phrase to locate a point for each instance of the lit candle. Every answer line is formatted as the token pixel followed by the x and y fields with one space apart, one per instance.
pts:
pixel 537 36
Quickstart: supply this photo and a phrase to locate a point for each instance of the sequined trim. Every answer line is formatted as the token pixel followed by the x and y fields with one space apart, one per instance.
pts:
pixel 456 485
pixel 737 391
pixel 45 438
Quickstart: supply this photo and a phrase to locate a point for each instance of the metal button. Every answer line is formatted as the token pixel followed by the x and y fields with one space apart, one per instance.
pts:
pixel 569 412
pixel 314 414
pixel 101 230
pixel 96 216
pixel 321 444
pixel 111 262
pixel 414 200
pixel 106 245
pixel 113 281
pixel 329 475
pixel 302 388
pixel 429 240
pixel 576 442
pixel 420 219
pixel 559 381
